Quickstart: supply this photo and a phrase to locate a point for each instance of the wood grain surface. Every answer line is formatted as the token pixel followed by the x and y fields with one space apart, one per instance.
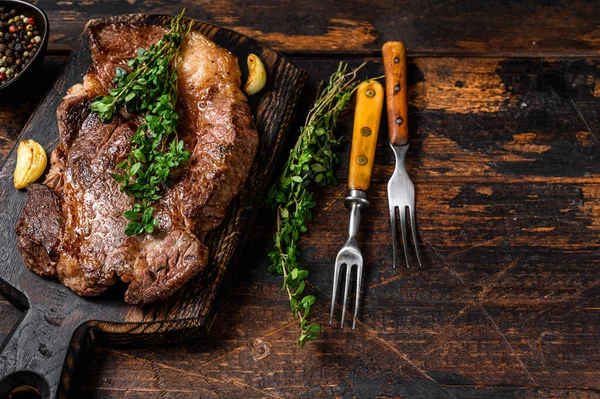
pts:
pixel 368 106
pixel 504 114
pixel 313 26
pixel 393 54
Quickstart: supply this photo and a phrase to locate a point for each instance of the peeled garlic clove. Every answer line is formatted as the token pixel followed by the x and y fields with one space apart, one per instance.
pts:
pixel 31 163
pixel 257 75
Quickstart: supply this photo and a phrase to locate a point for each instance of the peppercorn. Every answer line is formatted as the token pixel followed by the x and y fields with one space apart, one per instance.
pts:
pixel 20 39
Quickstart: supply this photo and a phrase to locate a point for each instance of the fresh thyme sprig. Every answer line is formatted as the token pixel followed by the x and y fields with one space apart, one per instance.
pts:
pixel 150 87
pixel 311 160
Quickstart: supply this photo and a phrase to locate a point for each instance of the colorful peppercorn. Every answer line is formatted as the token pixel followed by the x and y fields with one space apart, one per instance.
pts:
pixel 20 39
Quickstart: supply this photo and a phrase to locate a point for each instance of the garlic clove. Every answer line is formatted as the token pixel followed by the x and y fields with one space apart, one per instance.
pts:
pixel 257 75
pixel 31 163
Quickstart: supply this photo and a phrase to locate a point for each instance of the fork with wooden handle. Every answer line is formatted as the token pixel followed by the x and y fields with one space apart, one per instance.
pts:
pixel 367 116
pixel 401 191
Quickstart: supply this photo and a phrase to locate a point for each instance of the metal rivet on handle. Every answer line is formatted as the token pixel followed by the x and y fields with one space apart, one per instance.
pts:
pixel 397 88
pixel 396 60
pixel 365 131
pixel 399 121
pixel 362 160
pixel 370 93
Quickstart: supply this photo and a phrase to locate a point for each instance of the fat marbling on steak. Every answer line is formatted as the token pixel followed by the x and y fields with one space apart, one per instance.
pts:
pixel 72 226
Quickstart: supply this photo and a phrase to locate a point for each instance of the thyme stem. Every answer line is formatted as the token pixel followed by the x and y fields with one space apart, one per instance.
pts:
pixel 312 160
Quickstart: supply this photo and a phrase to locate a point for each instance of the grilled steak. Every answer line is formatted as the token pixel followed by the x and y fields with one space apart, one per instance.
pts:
pixel 72 226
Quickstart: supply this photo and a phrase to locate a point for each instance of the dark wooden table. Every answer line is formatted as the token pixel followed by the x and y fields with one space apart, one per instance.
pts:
pixel 505 113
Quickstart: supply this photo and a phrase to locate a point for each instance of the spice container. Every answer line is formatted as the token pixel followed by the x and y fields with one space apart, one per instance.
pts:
pixel 23 41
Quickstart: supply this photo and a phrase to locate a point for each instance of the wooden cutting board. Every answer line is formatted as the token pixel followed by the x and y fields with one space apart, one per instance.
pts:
pixel 44 346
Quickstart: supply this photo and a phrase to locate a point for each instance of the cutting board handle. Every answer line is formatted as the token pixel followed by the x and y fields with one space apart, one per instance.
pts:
pixel 34 354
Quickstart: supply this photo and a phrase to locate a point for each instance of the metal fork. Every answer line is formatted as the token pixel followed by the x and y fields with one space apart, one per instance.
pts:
pixel 367 116
pixel 401 190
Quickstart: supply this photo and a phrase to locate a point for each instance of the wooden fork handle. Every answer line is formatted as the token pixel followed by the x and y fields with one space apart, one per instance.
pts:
pixel 396 89
pixel 367 116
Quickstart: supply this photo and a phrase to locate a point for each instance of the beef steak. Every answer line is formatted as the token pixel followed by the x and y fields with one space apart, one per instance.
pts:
pixel 72 226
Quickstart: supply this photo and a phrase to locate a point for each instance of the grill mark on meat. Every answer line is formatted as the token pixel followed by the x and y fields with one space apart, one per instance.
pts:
pixel 90 252
pixel 71 114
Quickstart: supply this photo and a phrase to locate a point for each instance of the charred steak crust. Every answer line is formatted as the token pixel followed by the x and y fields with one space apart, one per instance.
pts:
pixel 39 229
pixel 88 250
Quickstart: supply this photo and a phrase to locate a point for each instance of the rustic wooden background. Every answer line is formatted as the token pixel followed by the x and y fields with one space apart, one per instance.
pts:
pixel 504 118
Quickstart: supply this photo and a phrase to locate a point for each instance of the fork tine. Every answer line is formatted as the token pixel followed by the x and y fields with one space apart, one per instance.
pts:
pixel 403 226
pixel 394 239
pixel 348 271
pixel 358 278
pixel 336 273
pixel 413 227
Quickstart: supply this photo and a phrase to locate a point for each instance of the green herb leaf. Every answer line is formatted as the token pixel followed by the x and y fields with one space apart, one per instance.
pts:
pixel 131 215
pixel 150 88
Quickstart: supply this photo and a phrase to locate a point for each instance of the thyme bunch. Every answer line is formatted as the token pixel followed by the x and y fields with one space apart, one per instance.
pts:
pixel 150 87
pixel 312 160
